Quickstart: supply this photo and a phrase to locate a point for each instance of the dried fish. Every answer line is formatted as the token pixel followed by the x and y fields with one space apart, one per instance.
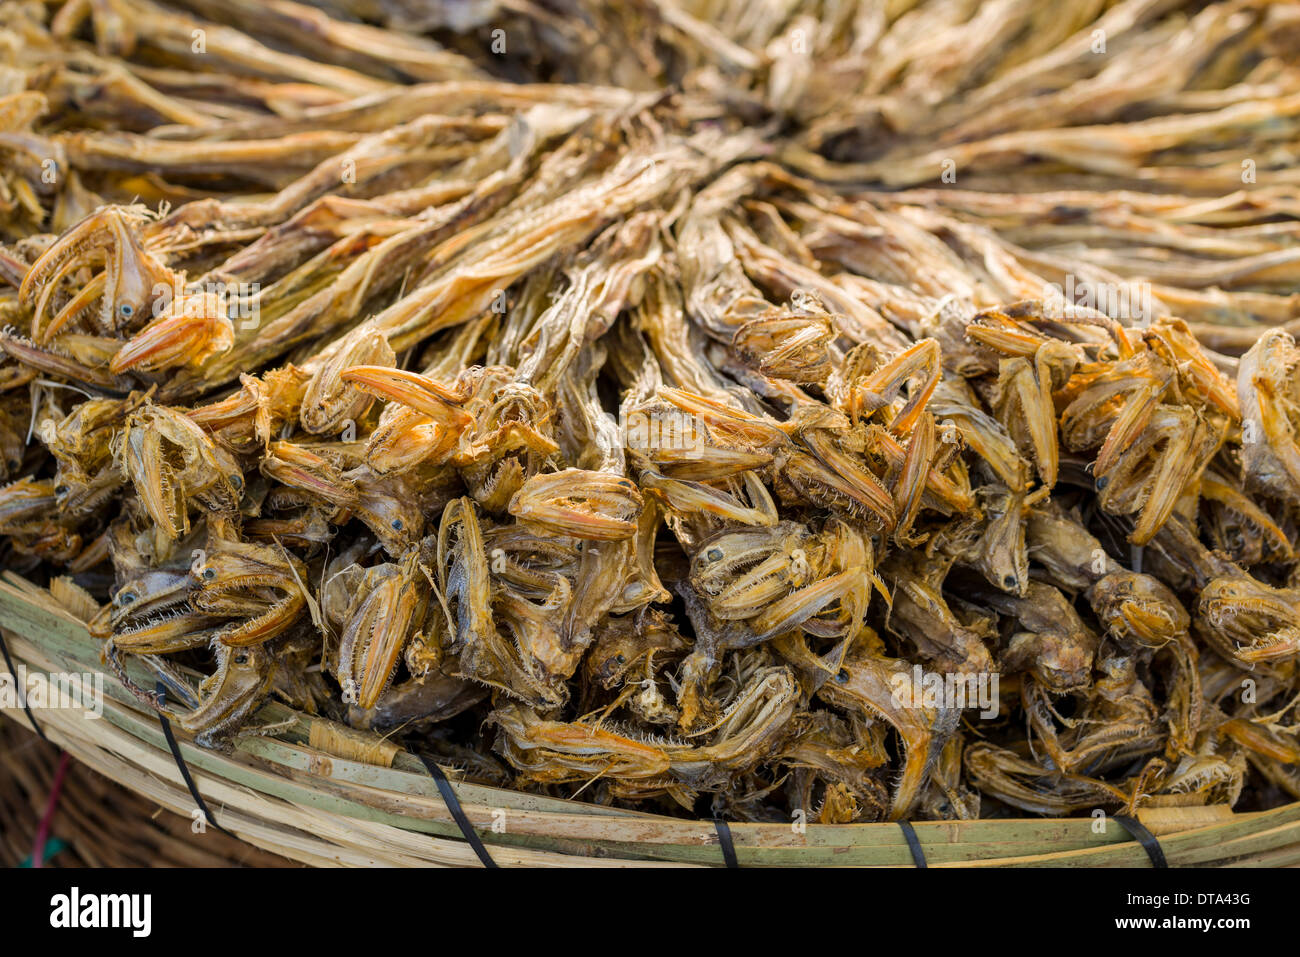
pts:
pixel 867 410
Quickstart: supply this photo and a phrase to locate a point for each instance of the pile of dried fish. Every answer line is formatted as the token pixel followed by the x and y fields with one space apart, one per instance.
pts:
pixel 855 410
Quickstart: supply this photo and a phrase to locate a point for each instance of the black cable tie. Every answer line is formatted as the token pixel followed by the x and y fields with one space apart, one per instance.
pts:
pixel 20 692
pixel 913 844
pixel 725 842
pixel 457 812
pixel 1144 837
pixel 161 691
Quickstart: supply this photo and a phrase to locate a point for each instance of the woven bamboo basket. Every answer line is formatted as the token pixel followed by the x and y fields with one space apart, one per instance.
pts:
pixel 320 794
pixel 96 822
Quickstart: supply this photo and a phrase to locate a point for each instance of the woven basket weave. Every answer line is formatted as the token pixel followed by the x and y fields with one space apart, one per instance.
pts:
pixel 97 822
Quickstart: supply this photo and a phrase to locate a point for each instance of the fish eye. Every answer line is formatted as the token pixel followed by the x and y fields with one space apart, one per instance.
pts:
pixel 241 659
pixel 237 481
pixel 60 490
pixel 1103 482
pixel 397 524
pixel 714 555
pixel 126 310
pixel 209 573
pixel 620 659
pixel 843 676
pixel 1009 581
pixel 126 597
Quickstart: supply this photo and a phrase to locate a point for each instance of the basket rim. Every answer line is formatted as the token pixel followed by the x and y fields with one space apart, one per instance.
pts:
pixel 404 797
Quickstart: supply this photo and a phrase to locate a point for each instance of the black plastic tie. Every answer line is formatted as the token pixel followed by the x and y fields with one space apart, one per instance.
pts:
pixel 457 812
